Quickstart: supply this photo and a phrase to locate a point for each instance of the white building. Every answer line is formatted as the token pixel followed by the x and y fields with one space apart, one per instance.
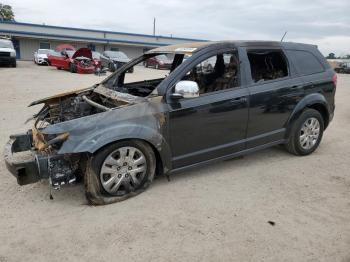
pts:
pixel 28 38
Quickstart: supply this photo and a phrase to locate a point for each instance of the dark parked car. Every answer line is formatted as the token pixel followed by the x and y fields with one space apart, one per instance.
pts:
pixel 343 68
pixel 120 134
pixel 159 62
pixel 114 60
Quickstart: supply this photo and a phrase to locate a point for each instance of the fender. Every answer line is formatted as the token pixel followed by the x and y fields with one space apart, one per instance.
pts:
pixel 308 101
pixel 100 138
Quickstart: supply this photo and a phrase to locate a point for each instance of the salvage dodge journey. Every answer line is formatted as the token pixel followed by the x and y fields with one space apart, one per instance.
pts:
pixel 118 134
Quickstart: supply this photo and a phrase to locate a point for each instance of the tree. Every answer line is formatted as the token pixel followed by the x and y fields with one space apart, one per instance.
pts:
pixel 331 56
pixel 6 13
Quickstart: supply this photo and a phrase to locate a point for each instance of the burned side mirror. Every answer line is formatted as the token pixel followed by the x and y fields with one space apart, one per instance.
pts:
pixel 186 89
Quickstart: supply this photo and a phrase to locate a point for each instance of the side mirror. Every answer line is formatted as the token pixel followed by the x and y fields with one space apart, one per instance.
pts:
pixel 186 89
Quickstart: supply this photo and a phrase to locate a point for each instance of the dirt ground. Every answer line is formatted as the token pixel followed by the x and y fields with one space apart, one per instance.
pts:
pixel 214 213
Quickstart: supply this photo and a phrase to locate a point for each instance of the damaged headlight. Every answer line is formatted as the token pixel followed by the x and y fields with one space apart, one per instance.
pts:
pixel 58 139
pixel 42 142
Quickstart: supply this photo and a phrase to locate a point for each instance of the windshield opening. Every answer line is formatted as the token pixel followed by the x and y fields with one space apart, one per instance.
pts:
pixel 143 78
pixel 6 44
pixel 70 53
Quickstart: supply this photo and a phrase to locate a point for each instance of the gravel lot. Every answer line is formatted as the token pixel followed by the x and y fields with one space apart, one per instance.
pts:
pixel 215 213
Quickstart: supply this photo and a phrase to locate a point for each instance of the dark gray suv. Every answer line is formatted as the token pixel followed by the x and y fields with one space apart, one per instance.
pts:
pixel 118 134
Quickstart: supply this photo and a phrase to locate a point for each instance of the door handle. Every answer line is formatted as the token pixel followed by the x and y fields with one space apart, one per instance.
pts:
pixel 239 100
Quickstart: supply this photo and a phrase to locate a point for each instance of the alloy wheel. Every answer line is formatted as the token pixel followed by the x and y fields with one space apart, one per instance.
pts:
pixel 123 170
pixel 309 133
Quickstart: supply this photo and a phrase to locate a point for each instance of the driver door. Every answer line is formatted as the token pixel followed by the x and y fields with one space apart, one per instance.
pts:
pixel 214 124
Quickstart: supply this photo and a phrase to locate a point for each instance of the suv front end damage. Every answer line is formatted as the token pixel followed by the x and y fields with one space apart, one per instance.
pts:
pixel 30 164
pixel 36 154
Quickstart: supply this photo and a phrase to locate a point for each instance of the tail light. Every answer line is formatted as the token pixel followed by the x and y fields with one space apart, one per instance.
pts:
pixel 335 79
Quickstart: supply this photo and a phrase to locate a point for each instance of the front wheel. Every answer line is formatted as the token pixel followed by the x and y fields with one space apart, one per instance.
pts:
pixel 119 171
pixel 306 133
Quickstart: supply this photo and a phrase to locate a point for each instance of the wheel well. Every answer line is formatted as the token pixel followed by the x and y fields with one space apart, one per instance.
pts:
pixel 323 111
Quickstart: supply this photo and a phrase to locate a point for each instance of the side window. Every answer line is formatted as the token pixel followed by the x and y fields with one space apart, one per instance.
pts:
pixel 267 65
pixel 216 73
pixel 305 62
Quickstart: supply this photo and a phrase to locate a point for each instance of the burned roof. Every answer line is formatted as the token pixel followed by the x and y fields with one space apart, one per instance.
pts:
pixel 189 48
pixel 184 48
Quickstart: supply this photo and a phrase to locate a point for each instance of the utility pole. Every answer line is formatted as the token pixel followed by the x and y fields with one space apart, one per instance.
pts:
pixel 154 26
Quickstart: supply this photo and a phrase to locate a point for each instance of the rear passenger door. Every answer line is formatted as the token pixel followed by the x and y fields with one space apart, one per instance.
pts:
pixel 274 92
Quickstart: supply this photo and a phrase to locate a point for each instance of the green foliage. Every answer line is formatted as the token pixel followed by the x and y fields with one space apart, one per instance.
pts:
pixel 331 56
pixel 6 13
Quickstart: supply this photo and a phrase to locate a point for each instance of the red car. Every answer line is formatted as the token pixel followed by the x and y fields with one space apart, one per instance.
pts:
pixel 159 62
pixel 79 61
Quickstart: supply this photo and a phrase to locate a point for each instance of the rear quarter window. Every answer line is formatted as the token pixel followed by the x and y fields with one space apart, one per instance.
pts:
pixel 305 62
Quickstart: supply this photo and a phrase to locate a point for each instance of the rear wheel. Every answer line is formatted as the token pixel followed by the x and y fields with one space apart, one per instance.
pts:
pixel 306 133
pixel 119 171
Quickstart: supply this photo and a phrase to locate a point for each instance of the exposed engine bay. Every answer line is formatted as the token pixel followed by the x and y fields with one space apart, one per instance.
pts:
pixel 71 106
pixel 83 61
pixel 63 169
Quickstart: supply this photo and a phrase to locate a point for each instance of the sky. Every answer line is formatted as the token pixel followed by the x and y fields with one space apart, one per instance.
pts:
pixel 321 22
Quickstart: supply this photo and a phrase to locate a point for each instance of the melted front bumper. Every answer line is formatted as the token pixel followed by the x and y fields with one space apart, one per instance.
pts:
pixel 23 162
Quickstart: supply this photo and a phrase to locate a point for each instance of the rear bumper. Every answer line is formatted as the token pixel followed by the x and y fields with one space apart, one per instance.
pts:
pixel 24 163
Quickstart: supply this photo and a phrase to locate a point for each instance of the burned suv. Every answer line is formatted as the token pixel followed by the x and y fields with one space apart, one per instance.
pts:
pixel 120 133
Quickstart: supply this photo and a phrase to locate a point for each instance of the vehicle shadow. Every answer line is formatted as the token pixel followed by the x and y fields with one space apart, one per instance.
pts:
pixel 74 195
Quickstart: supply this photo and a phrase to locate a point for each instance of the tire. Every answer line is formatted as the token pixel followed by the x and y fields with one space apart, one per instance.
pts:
pixel 14 64
pixel 72 68
pixel 302 146
pixel 98 189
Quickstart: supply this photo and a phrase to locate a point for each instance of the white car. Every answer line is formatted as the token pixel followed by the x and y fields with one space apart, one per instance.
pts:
pixel 7 52
pixel 40 56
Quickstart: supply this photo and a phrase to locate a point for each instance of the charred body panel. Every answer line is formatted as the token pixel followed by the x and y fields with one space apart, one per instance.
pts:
pixel 68 127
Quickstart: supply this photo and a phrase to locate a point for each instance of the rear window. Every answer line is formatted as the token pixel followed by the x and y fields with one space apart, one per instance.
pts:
pixel 305 62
